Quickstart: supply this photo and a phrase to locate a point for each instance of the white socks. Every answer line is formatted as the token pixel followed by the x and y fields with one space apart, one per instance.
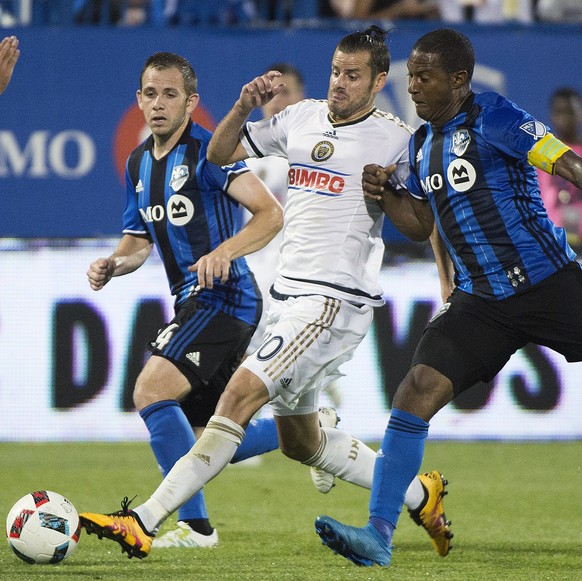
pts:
pixel 414 494
pixel 351 460
pixel 211 453
pixel 345 457
pixel 339 454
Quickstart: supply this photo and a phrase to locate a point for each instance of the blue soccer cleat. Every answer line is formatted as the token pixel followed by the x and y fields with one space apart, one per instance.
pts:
pixel 363 546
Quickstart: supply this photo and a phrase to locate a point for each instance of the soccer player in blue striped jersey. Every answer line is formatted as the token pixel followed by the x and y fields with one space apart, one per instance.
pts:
pixel 189 209
pixel 473 172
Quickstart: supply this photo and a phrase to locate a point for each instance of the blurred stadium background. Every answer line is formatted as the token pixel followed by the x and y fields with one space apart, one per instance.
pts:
pixel 70 356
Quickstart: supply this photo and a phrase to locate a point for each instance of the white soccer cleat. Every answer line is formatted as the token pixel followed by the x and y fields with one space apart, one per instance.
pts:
pixel 322 480
pixel 328 417
pixel 184 536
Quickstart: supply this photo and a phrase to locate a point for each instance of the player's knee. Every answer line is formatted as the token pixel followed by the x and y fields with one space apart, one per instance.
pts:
pixel 423 392
pixel 243 397
pixel 146 393
pixel 297 449
pixel 295 453
pixel 143 395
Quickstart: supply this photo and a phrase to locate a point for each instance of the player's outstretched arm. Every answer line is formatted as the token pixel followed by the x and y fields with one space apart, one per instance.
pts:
pixel 225 146
pixel 9 54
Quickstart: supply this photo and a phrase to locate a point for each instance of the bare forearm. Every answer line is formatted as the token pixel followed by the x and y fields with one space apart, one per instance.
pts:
pixel 130 254
pixel 259 230
pixel 257 233
pixel 444 265
pixel 224 147
pixel 411 217
pixel 406 216
pixel 569 166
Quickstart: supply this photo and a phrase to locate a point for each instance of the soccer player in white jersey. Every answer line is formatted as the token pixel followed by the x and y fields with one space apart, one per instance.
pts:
pixel 273 171
pixel 324 293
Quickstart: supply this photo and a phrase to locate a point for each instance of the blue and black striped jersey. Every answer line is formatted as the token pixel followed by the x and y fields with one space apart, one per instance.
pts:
pixel 180 201
pixel 474 171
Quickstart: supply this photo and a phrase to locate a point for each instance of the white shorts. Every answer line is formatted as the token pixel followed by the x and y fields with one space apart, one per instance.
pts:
pixel 306 339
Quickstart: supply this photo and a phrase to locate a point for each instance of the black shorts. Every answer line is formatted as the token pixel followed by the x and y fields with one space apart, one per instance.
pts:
pixel 471 339
pixel 206 345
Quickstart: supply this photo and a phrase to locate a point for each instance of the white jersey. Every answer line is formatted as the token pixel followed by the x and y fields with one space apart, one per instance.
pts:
pixel 273 172
pixel 332 236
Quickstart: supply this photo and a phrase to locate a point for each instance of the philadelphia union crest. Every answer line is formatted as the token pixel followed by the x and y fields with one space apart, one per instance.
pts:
pixel 322 151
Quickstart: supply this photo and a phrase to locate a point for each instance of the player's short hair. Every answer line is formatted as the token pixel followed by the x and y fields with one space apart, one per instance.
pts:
pixel 169 60
pixel 372 40
pixel 566 93
pixel 455 51
pixel 287 69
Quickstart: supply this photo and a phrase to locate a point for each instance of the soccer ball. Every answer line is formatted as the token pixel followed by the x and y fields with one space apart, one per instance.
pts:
pixel 43 527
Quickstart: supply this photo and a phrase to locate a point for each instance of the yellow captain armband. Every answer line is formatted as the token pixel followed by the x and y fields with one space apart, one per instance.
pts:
pixel 545 153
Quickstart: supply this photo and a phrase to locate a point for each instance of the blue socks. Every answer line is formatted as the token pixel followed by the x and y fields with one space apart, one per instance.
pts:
pixel 398 462
pixel 171 436
pixel 260 438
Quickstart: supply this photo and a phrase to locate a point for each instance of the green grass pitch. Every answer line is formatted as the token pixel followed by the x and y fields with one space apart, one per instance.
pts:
pixel 514 508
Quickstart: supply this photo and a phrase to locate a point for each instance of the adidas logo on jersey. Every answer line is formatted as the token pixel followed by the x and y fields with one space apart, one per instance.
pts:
pixel 194 357
pixel 285 382
pixel 330 134
pixel 139 187
pixel 419 156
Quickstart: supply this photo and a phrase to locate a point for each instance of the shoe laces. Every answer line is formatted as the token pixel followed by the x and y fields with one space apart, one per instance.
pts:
pixel 125 511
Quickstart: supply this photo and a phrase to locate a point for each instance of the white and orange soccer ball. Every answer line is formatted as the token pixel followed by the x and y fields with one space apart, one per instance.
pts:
pixel 43 527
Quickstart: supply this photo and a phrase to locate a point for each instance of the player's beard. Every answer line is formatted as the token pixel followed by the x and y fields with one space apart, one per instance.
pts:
pixel 350 108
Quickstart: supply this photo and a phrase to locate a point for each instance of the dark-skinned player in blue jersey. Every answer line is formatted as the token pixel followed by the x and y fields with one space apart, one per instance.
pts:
pixel 473 172
pixel 189 209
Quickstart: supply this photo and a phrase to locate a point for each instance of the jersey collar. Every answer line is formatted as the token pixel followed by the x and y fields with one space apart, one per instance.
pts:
pixel 353 121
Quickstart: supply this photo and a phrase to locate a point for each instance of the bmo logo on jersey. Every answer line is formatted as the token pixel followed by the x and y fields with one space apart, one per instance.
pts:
pixel 461 175
pixel 179 211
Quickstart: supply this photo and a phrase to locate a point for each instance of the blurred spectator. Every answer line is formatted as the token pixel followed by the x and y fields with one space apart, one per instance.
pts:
pixel 97 11
pixel 562 200
pixel 135 13
pixel 222 12
pixel 162 12
pixel 380 9
pixel 487 11
pixel 7 14
pixel 569 11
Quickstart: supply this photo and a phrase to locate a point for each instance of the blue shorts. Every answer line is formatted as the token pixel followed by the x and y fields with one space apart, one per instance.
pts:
pixel 206 345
